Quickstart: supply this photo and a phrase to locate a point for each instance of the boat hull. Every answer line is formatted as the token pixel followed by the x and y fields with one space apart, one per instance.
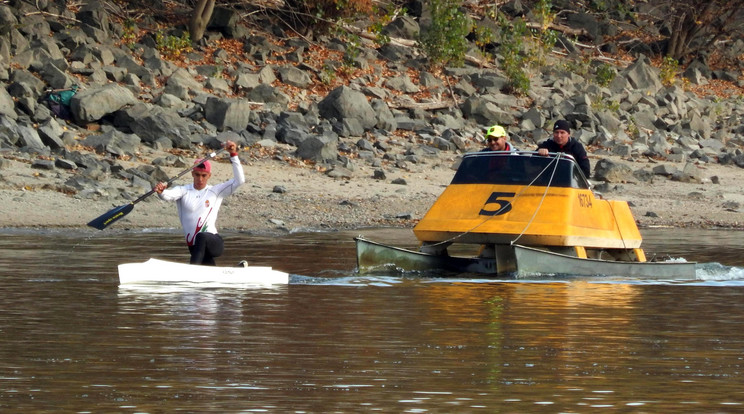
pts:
pixel 531 261
pixel 162 271
pixel 525 262
pixel 373 256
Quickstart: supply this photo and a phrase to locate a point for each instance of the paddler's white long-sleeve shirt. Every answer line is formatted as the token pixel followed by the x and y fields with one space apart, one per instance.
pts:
pixel 197 209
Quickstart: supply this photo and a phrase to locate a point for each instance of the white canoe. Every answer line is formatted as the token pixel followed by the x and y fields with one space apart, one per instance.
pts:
pixel 162 271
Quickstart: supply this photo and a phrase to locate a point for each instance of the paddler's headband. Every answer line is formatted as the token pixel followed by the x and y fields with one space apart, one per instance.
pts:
pixel 205 166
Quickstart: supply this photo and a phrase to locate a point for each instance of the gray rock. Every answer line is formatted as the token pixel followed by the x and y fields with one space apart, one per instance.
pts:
pixel 51 134
pixel 268 94
pixel 339 172
pixel 42 164
pixel 485 112
pixel 218 85
pixel 29 137
pixel 385 118
pixel 405 27
pixel 65 164
pixel 713 145
pixel 612 172
pixel 247 81
pixel 181 83
pixel 344 102
pixel 402 84
pixel 296 120
pixel 428 80
pixel 394 52
pixel 318 148
pixel 92 104
pixel 114 142
pixel 30 84
pixel 291 136
pixel 642 75
pixel 7 106
pixel 93 13
pixel 689 174
pixel 665 170
pixel 266 75
pixel 349 127
pixel 152 123
pixel 227 113
pixel 293 76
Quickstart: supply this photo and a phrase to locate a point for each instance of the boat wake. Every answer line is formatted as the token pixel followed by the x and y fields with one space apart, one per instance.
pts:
pixel 716 272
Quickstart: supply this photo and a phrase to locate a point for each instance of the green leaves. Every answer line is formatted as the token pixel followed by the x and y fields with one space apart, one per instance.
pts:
pixel 444 42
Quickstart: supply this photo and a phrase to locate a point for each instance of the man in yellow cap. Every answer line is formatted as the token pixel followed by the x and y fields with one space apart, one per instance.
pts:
pixel 496 140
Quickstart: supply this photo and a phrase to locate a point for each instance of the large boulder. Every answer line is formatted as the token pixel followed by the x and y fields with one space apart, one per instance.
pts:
pixel 28 137
pixel 318 148
pixel 612 172
pixel 114 142
pixel 485 112
pixel 181 83
pixel 153 123
pixel 90 105
pixel 225 113
pixel 7 106
pixel 405 27
pixel 293 76
pixel 643 76
pixel 344 102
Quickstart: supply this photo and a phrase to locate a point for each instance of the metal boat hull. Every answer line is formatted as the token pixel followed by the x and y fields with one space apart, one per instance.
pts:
pixel 532 261
pixel 373 256
pixel 527 262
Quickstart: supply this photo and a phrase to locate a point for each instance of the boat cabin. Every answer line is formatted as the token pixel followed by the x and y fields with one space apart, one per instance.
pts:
pixel 520 168
pixel 503 198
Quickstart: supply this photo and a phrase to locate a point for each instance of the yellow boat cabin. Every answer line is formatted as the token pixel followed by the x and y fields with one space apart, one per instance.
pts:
pixel 498 199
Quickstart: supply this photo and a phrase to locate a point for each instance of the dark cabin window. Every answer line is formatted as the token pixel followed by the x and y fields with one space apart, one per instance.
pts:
pixel 519 169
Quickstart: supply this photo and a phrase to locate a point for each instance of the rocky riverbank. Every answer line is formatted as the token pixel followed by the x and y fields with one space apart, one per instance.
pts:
pixel 329 140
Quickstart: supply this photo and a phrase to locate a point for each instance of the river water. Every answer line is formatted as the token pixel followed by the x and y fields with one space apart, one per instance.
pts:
pixel 332 340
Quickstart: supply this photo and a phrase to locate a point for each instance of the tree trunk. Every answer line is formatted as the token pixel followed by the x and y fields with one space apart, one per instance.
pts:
pixel 698 24
pixel 200 19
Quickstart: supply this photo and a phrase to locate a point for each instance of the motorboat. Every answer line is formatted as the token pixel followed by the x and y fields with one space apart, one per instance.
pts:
pixel 527 214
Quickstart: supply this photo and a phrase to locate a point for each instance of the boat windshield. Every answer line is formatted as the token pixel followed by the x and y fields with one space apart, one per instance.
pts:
pixel 520 168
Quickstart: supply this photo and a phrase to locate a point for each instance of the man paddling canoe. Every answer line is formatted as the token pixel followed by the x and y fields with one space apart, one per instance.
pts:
pixel 198 205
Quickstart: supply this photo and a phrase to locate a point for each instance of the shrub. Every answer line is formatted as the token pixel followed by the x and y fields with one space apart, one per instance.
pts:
pixel 513 61
pixel 444 42
pixel 173 46
pixel 605 74
pixel 669 71
pixel 522 47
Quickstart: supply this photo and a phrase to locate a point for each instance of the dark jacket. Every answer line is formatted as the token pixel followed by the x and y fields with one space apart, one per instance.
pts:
pixel 572 147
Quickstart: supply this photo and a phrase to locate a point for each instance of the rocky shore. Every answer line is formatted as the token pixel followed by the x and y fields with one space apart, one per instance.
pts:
pixel 330 141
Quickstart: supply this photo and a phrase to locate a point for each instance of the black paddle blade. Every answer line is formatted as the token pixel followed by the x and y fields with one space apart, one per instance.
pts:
pixel 106 219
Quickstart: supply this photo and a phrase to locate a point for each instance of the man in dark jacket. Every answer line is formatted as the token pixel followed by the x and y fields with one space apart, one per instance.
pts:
pixel 563 142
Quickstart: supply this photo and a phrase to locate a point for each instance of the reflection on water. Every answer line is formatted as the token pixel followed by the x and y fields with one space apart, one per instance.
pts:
pixel 336 341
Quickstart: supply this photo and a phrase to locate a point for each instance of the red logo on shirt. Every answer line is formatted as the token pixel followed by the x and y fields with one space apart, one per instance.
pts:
pixel 206 203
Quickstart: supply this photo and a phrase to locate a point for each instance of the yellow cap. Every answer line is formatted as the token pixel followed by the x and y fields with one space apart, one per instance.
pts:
pixel 495 131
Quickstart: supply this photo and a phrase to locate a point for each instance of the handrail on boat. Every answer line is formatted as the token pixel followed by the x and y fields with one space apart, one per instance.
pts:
pixel 519 168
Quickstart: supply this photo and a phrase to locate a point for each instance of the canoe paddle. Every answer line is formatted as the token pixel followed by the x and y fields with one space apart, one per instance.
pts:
pixel 108 218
